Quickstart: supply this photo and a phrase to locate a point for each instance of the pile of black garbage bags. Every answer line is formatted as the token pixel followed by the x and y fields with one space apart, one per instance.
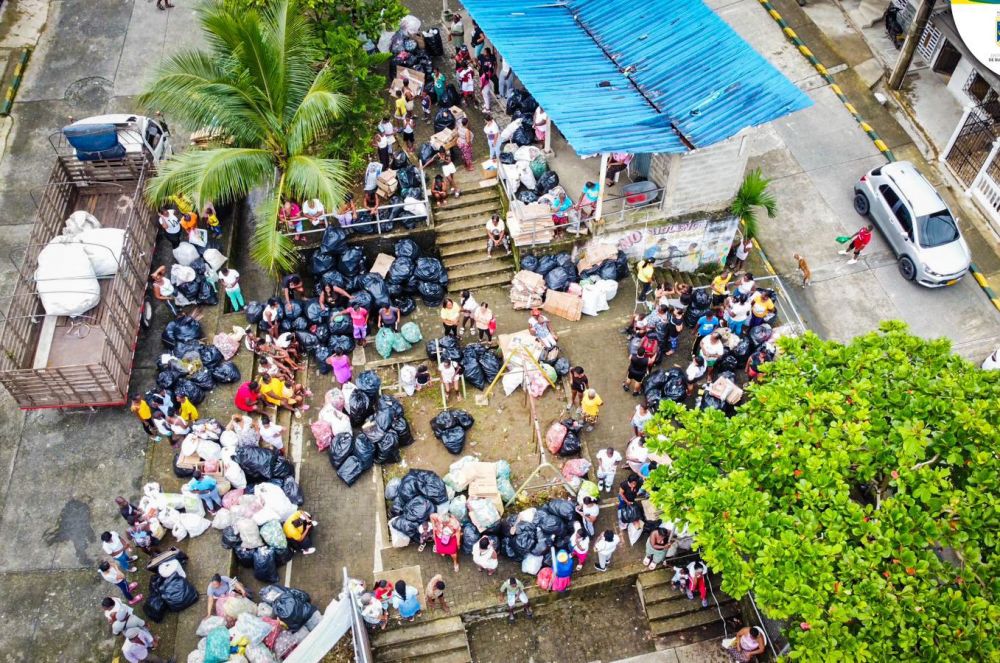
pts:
pixel 661 385
pixel 413 273
pixel 171 594
pixel 559 270
pixel 384 430
pixel 611 269
pixel 544 183
pixel 550 525
pixel 521 106
pixel 292 606
pixel 197 367
pixel 418 495
pixel 451 426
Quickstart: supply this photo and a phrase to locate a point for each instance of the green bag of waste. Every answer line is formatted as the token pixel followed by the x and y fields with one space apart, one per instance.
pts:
pixel 383 342
pixel 411 332
pixel 399 344
pixel 539 166
pixel 551 372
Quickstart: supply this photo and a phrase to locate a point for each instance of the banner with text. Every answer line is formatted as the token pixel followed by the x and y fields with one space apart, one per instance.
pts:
pixel 683 247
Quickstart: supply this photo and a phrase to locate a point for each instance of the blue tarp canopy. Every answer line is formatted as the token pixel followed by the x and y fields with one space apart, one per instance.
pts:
pixel 642 76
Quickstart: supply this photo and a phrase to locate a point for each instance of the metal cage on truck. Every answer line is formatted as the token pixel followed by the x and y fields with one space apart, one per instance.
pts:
pixel 56 362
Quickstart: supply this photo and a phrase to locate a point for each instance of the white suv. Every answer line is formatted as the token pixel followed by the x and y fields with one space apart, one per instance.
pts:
pixel 915 220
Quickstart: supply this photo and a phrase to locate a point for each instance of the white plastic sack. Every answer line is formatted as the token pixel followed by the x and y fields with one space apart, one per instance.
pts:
pixel 235 476
pixel 209 450
pixel 79 221
pixel 214 258
pixel 508 131
pixel 198 655
pixel 194 524
pixel 189 445
pixel 104 248
pixel 525 175
pixel 169 568
pixel 483 513
pixel 258 653
pixel 223 519
pixel 399 540
pixel 249 533
pixel 414 206
pixel 209 624
pixel 265 515
pixel 594 301
pixel 409 25
pixel 275 499
pixel 182 274
pixel 531 564
pixel 185 253
pixel 264 610
pixel 65 280
pixel 608 287
pixel 339 422
pixel 408 379
pixel 251 627
pixel 526 153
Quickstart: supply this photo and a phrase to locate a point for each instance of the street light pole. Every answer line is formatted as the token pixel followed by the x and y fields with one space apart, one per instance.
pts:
pixel 910 45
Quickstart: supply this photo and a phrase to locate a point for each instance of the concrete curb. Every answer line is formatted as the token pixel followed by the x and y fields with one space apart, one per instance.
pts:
pixel 8 100
pixel 822 71
pixel 985 285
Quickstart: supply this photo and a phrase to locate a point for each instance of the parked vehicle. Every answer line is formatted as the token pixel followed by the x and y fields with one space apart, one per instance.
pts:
pixel 70 332
pixel 917 223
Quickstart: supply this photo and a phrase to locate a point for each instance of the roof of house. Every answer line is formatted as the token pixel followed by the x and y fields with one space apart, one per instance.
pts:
pixel 644 76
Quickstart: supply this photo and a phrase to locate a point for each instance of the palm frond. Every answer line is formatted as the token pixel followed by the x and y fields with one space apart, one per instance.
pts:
pixel 220 175
pixel 268 247
pixel 752 194
pixel 320 107
pixel 311 177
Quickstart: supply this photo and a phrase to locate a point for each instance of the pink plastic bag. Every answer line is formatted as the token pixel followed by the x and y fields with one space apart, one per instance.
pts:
pixel 232 498
pixel 544 578
pixel 575 289
pixel 323 433
pixel 554 437
pixel 578 467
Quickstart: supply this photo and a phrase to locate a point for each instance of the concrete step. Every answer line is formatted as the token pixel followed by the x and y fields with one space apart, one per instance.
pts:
pixel 470 197
pixel 480 210
pixel 455 643
pixel 471 283
pixel 680 605
pixel 461 249
pixel 474 257
pixel 420 631
pixel 479 269
pixel 677 625
pixel 475 234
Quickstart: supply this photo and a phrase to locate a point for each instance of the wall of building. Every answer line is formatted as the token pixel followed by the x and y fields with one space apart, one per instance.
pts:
pixel 957 83
pixel 704 180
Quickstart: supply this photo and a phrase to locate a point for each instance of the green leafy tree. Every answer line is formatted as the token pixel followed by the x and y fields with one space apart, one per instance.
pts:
pixel 268 105
pixel 855 493
pixel 753 194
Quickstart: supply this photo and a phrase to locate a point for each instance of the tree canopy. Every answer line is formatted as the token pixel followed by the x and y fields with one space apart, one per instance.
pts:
pixel 854 492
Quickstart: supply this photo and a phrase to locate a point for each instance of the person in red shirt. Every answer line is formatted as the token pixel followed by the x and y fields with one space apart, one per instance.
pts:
pixel 248 397
pixel 651 346
pixel 359 318
pixel 858 243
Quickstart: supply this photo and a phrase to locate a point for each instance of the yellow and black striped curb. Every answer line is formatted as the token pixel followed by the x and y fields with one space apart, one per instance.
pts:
pixel 985 285
pixel 15 83
pixel 822 71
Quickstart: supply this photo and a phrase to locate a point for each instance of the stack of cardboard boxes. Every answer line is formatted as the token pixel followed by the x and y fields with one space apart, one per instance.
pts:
pixel 387 184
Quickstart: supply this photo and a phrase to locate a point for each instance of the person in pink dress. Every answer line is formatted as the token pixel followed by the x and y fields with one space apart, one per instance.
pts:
pixel 341 365
pixel 447 536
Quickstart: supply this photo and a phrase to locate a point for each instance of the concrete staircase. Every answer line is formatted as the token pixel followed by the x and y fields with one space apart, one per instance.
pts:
pixel 439 640
pixel 674 620
pixel 461 237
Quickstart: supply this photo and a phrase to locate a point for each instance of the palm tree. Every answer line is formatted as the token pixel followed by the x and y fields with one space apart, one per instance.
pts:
pixel 752 194
pixel 262 93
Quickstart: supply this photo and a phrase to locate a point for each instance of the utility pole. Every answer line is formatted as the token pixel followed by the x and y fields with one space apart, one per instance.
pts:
pixel 910 45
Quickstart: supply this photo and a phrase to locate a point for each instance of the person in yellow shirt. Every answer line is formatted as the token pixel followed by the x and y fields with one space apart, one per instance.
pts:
pixel 298 530
pixel 591 405
pixel 719 285
pixel 761 306
pixel 450 313
pixel 188 411
pixel 275 392
pixel 211 220
pixel 644 272
pixel 400 109
pixel 182 204
pixel 140 408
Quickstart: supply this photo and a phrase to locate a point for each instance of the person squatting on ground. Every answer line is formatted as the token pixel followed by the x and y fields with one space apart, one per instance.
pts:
pixel 513 590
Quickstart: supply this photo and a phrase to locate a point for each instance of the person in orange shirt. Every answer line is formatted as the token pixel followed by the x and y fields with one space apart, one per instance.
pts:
pixel 189 222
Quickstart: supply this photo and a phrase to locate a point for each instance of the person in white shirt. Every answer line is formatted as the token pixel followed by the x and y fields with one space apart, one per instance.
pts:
pixel 588 510
pixel 313 210
pixel 737 312
pixel 605 547
pixel 694 372
pixel 746 284
pixel 636 454
pixel 120 615
pixel 484 555
pixel 271 433
pixel 231 282
pixel 114 548
pixel 468 306
pixel 171 226
pixel 712 349
pixel 138 645
pixel 492 131
pixel 496 235
pixel 607 465
pixel 449 377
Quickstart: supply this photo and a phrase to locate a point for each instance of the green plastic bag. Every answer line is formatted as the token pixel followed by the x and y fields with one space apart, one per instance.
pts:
pixel 590 489
pixel 503 469
pixel 844 239
pixel 411 332
pixel 399 343
pixel 383 342
pixel 217 645
pixel 551 372
pixel 506 490
pixel 538 166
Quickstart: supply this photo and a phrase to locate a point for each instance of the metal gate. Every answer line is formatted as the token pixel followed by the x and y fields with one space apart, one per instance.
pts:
pixel 971 146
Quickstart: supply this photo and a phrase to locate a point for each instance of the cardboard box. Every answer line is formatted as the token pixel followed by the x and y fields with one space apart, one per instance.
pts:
pixel 413 79
pixel 445 138
pixel 458 113
pixel 563 304
pixel 489 168
pixel 382 264
pixel 386 183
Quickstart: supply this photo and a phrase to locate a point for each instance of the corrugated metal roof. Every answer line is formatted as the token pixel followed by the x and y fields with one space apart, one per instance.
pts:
pixel 636 75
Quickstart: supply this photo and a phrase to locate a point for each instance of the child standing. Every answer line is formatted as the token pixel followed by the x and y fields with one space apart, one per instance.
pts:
pixel 408 137
pixel 425 103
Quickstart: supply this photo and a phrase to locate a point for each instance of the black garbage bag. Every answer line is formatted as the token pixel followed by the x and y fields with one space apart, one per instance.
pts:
pixel 463 419
pixel 281 467
pixel 370 383
pixel 191 289
pixel 430 485
pixel 210 356
pixel 473 372
pixel 546 264
pixel 549 524
pixel 408 178
pixel 341 344
pixel 527 196
pixel 675 386
pixel 701 298
pixel 570 445
pixel 308 341
pixel 203 378
pixel 253 312
pixel 244 556
pixel 431 294
pixel 510 550
pixel 742 351
pixel 407 527
pixel 257 463
pixel 321 354
pixel 359 407
pixel 167 378
pixel 187 329
pixel 563 509
pixel 333 277
pixel 322 333
pixel 383 419
pixel 341 447
pixel 181 472
pixel 401 427
pixel 728 362
pixel 654 381
pixel 418 510
pixel 448 99
pixel 300 324
pixel 448 347
pixel 507 158
pixel 407 248
pixel 185 387
pixel 340 325
pixel 693 315
pixel 443 119
pixel 562 366
pixel 470 537
pixel 207 294
pixel 709 402
pixel 155 608
pixel 265 566
pixel 375 285
pixel 334 240
pixel 321 262
pixel 529 263
pixel 546 182
pixel 401 270
pixel 351 262
pixel 453 439
pixel 515 100
pixel 231 538
pixel 609 270
pixel 387 449
pixel 390 403
pixel 406 305
pixel 523 137
pixel 178 593
pixel 292 610
pixel 315 313
pixel 293 309
pixel 760 334
pixel 622 263
pixel 400 160
pixel 364 450
pixel 491 365
pixel 442 421
pixel 350 470
pixel 425 153
pixel 364 299
pixel 428 269
pixel 525 537
pixel 293 491
pixel 559 279
pixel 409 488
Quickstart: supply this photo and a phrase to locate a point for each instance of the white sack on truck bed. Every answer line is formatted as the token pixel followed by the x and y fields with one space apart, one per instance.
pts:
pixel 65 280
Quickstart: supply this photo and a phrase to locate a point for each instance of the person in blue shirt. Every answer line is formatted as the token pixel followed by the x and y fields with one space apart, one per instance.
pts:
pixel 588 199
pixel 560 210
pixel 206 488
pixel 707 324
pixel 647 468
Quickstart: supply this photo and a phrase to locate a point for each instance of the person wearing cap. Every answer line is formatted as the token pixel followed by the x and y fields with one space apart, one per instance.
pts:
pixel 562 571
pixel 138 646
